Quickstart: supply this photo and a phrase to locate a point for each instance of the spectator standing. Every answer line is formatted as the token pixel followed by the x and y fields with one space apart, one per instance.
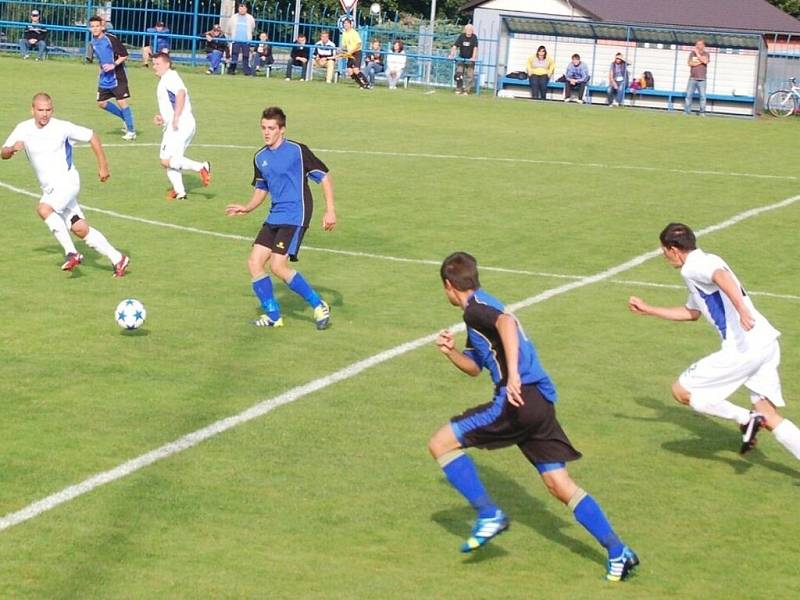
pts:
pixel 374 62
pixel 262 56
pixel 618 77
pixel 216 49
pixel 240 31
pixel 466 47
pixel 577 76
pixel 34 36
pixel 156 42
pixel 325 55
pixel 395 64
pixel 298 57
pixel 540 69
pixel 698 69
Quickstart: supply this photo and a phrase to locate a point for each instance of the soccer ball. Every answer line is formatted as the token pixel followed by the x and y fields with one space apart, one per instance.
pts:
pixel 130 314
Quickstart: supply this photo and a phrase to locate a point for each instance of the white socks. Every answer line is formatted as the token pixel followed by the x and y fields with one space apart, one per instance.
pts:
pixel 95 239
pixel 181 163
pixel 788 435
pixel 721 408
pixel 60 230
pixel 176 179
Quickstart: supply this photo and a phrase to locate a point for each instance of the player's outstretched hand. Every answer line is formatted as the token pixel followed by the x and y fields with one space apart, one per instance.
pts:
pixel 158 120
pixel 638 306
pixel 233 210
pixel 103 174
pixel 445 341
pixel 514 390
pixel 329 220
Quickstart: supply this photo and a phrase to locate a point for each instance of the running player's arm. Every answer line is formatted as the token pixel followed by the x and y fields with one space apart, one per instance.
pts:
pixel 731 289
pixel 180 103
pixel 447 346
pixel 102 163
pixel 670 313
pixel 507 328
pixel 259 195
pixel 329 218
pixel 13 145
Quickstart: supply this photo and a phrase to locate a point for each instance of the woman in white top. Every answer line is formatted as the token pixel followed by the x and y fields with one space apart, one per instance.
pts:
pixel 395 64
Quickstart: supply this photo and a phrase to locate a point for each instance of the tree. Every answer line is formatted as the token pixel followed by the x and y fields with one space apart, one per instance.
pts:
pixel 791 7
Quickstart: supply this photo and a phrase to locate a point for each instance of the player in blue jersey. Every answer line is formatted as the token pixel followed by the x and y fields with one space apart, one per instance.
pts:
pixel 113 81
pixel 521 413
pixel 282 169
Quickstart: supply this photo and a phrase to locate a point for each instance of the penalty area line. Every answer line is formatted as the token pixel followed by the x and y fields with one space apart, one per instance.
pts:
pixel 262 408
pixel 369 255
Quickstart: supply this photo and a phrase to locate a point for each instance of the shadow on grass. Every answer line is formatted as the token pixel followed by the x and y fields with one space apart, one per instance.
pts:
pixel 709 437
pixel 91 260
pixel 523 509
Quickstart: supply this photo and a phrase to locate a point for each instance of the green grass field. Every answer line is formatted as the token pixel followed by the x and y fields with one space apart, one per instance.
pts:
pixel 334 495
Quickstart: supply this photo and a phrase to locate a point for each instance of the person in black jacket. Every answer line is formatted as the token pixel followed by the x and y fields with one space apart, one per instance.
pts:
pixel 216 49
pixel 298 58
pixel 34 36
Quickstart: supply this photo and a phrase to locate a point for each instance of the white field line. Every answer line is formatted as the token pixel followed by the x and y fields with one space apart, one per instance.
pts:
pixel 368 255
pixel 192 439
pixel 500 159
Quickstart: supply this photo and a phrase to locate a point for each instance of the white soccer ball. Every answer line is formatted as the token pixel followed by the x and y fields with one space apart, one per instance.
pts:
pixel 375 8
pixel 130 314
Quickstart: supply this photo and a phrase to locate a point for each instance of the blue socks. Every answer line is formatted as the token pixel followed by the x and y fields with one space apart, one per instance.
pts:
pixel 463 476
pixel 113 109
pixel 589 514
pixel 263 289
pixel 127 116
pixel 299 286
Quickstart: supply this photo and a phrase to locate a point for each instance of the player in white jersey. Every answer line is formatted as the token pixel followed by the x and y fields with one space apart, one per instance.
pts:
pixel 175 116
pixel 750 353
pixel 48 145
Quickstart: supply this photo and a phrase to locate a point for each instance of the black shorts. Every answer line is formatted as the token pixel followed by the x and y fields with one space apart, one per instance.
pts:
pixel 533 427
pixel 120 92
pixel 354 62
pixel 282 239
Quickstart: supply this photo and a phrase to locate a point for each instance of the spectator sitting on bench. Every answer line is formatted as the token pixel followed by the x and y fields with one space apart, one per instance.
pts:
pixel 325 55
pixel 395 64
pixel 298 58
pixel 262 57
pixel 618 76
pixel 216 49
pixel 34 36
pixel 374 62
pixel 576 76
pixel 540 69
pixel 156 39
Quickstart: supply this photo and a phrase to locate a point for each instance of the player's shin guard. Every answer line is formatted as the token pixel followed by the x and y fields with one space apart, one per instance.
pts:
pixel 720 408
pixel 181 163
pixel 298 284
pixel 589 514
pixel 263 289
pixel 176 179
pixel 97 241
pixel 788 435
pixel 59 229
pixel 127 116
pixel 462 475
pixel 114 110
pixel 363 81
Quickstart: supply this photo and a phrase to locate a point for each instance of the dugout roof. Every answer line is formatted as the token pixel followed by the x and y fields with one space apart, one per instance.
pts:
pixel 630 33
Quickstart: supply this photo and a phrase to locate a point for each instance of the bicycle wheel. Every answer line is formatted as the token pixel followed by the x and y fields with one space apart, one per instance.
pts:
pixel 781 103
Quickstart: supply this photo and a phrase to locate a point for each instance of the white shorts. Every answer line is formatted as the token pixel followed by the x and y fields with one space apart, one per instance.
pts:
pixel 174 143
pixel 63 198
pixel 719 375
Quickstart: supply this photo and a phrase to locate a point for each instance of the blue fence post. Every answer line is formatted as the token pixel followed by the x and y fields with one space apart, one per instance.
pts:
pixel 87 35
pixel 195 33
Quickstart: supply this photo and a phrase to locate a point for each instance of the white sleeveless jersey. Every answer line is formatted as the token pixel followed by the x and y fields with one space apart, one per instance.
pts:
pixel 717 308
pixel 168 87
pixel 49 148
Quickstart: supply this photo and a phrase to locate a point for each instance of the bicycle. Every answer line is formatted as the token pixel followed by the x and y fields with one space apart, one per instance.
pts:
pixel 783 103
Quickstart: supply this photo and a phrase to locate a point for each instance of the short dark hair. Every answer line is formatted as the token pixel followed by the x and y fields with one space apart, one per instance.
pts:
pixel 576 55
pixel 276 114
pixel 461 270
pixel 678 235
pixel 96 19
pixel 348 20
pixel 164 56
